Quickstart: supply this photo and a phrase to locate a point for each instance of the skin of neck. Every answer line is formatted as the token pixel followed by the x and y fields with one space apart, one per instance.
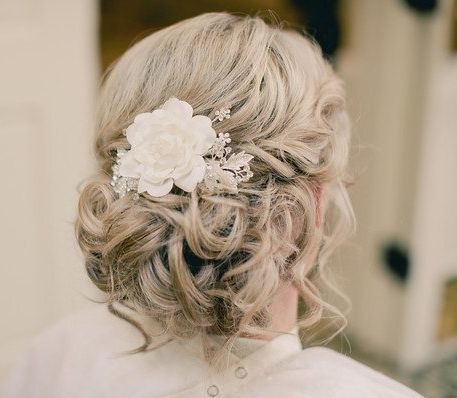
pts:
pixel 284 308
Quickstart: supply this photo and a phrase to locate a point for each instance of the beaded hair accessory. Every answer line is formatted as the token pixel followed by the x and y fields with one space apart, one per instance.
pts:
pixel 169 146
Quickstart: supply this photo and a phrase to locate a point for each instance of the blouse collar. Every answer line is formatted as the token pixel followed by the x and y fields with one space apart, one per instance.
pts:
pixel 249 359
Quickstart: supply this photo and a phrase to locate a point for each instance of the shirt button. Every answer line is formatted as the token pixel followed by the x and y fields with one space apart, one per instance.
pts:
pixel 212 391
pixel 241 372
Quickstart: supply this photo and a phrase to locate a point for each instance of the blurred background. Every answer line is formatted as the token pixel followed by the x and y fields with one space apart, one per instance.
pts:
pixel 399 61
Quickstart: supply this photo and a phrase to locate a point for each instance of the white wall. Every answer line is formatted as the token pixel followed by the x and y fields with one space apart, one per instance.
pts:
pixel 48 79
pixel 401 159
pixel 434 236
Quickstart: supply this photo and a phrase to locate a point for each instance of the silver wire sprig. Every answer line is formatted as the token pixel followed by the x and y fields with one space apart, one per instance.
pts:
pixel 224 169
pixel 121 185
pixel 219 149
pixel 224 172
pixel 221 114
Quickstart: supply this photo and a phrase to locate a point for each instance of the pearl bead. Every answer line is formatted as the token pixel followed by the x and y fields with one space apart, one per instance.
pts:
pixel 212 391
pixel 241 372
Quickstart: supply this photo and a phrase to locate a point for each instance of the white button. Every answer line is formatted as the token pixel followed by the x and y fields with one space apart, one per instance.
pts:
pixel 212 391
pixel 241 372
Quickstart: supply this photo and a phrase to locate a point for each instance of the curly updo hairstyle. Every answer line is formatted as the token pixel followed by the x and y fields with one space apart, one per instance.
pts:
pixel 200 263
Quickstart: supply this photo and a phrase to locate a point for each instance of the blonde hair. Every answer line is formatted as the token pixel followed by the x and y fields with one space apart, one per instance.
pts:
pixel 199 263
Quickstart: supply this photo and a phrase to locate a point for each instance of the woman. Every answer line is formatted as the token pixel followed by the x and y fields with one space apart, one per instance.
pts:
pixel 222 145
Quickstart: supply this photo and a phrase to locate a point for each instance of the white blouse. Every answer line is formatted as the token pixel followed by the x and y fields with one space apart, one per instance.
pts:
pixel 81 356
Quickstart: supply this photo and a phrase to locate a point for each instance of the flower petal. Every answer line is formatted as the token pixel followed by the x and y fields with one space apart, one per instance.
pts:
pixel 143 125
pixel 156 175
pixel 133 135
pixel 155 190
pixel 189 181
pixel 201 122
pixel 129 166
pixel 180 109
pixel 142 118
pixel 135 132
pixel 200 126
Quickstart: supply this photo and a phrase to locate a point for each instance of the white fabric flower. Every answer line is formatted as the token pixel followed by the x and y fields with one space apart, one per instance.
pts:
pixel 167 147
